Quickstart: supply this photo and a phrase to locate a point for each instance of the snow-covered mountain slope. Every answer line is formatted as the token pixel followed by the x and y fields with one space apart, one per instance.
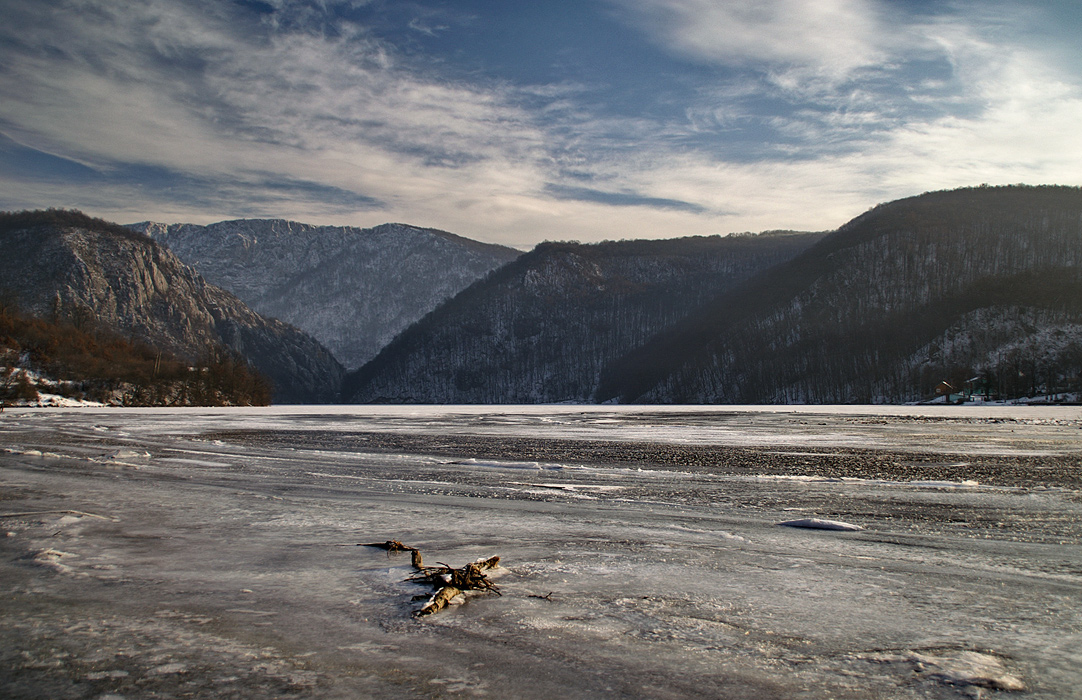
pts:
pixel 352 289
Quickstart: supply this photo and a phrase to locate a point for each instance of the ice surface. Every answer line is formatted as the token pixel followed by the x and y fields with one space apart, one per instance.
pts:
pixel 212 553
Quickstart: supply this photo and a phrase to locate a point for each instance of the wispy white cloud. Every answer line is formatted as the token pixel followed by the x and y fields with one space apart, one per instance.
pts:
pixel 190 110
pixel 827 37
pixel 338 110
pixel 856 81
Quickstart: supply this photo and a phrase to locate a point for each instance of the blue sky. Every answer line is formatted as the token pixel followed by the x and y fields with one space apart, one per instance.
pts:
pixel 517 122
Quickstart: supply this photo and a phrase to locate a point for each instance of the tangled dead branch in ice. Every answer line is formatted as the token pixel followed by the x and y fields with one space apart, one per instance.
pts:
pixel 448 582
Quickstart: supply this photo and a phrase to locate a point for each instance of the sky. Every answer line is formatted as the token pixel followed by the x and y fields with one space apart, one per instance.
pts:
pixel 518 122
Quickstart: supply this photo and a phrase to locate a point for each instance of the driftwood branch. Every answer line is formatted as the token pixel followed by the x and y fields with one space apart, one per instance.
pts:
pixel 393 546
pixel 389 545
pixel 448 581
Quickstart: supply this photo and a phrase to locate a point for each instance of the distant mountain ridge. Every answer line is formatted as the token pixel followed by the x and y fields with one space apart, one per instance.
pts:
pixel 66 265
pixel 978 286
pixel 352 289
pixel 970 291
pixel 540 329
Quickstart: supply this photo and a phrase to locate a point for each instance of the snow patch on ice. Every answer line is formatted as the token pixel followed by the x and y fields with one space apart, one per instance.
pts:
pixel 130 454
pixel 721 534
pixel 325 475
pixel 856 481
pixel 821 524
pixel 52 559
pixel 495 464
pixel 124 458
pixel 569 487
pixel 195 462
pixel 798 478
pixel 107 675
pixel 57 401
pixel 25 453
pixel 963 668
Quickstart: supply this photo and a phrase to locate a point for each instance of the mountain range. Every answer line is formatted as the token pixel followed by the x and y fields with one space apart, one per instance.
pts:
pixel 976 291
pixel 958 292
pixel 541 329
pixel 91 273
pixel 352 289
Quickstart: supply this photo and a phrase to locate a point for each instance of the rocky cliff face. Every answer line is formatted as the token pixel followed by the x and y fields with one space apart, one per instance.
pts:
pixel 540 329
pixel 352 289
pixel 66 265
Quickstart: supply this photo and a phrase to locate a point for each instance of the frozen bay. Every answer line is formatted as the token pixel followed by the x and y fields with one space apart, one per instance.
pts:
pixel 210 552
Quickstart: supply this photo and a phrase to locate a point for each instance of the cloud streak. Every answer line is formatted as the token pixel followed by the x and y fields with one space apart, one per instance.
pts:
pixel 780 114
pixel 830 37
pixel 621 199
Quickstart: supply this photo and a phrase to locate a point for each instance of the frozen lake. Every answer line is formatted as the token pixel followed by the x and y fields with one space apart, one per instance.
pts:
pixel 211 552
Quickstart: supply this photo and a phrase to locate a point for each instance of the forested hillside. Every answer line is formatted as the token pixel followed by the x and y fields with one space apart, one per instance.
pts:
pixel 41 357
pixel 979 288
pixel 540 328
pixel 95 275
